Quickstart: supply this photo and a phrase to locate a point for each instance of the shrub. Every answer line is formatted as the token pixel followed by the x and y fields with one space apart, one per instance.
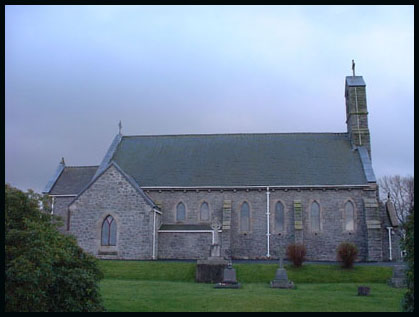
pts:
pixel 347 253
pixel 296 252
pixel 408 302
pixel 45 270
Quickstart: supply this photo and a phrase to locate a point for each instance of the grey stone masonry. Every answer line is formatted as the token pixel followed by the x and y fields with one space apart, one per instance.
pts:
pixel 184 245
pixel 357 114
pixel 226 236
pixel 61 209
pixel 321 245
pixel 298 222
pixel 374 229
pixel 111 194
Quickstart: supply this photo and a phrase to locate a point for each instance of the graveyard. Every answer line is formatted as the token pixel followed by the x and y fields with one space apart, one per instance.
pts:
pixel 172 286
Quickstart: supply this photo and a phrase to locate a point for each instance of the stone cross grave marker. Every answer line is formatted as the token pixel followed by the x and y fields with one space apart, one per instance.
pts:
pixel 215 225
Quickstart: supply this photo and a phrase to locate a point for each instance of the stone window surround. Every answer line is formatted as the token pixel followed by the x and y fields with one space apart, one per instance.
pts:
pixel 105 248
pixel 175 213
pixel 209 211
pixel 310 204
pixel 245 232
pixel 109 233
pixel 272 220
pixel 343 216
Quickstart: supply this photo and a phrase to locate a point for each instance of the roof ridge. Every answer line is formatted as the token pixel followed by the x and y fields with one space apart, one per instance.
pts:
pixel 74 166
pixel 216 134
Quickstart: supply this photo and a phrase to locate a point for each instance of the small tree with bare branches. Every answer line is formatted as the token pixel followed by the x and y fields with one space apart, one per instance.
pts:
pixel 401 192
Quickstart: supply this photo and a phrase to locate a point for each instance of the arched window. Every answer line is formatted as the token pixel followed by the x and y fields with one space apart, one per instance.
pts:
pixel 279 216
pixel 204 212
pixel 109 231
pixel 245 217
pixel 180 212
pixel 315 216
pixel 349 216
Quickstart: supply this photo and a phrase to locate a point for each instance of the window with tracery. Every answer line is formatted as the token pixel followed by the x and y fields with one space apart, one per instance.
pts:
pixel 109 231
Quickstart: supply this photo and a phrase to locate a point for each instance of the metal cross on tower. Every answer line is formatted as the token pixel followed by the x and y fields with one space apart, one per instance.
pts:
pixel 353 68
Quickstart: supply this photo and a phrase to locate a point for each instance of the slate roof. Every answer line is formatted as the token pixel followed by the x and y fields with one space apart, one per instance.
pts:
pixel 240 160
pixel 95 176
pixel 355 81
pixel 72 180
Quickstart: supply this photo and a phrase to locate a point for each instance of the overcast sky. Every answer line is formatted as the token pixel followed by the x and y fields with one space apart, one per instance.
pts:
pixel 72 72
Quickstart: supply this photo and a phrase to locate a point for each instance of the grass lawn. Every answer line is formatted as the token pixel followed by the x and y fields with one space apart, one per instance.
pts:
pixel 170 286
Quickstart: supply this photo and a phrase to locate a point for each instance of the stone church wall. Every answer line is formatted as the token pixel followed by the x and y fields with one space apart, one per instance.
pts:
pixel 184 245
pixel 61 209
pixel 253 244
pixel 111 194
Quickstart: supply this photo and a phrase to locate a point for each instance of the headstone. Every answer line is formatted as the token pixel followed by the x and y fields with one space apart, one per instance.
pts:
pixel 229 278
pixel 211 270
pixel 215 249
pixel 363 291
pixel 281 277
pixel 215 227
pixel 398 279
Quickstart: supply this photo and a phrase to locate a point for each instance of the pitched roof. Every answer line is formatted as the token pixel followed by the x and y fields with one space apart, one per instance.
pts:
pixel 72 180
pixel 355 81
pixel 240 160
pixel 132 182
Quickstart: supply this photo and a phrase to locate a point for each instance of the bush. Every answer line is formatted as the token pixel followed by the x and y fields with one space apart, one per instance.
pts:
pixel 347 253
pixel 45 270
pixel 296 252
pixel 408 303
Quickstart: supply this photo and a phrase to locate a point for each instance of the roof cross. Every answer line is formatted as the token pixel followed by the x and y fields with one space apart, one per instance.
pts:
pixel 353 68
pixel 120 127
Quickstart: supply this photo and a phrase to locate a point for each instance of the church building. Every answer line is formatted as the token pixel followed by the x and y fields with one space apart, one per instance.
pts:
pixel 156 196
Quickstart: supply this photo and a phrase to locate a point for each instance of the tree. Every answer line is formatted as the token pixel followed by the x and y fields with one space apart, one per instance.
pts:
pixel 401 192
pixel 408 302
pixel 45 270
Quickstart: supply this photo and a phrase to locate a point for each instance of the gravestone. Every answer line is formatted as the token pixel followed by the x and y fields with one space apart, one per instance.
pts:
pixel 363 291
pixel 281 277
pixel 398 279
pixel 211 270
pixel 229 277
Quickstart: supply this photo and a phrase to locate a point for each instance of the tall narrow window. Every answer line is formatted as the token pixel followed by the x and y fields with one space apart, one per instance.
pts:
pixel 279 216
pixel 245 217
pixel 315 216
pixel 109 231
pixel 180 212
pixel 204 213
pixel 349 216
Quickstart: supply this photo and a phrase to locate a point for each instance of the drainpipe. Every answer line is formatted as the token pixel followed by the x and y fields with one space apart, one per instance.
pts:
pixel 155 212
pixel 52 205
pixel 154 235
pixel 389 241
pixel 267 221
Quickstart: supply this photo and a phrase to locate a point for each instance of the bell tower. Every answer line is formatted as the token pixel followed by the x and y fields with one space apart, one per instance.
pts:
pixel 356 111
